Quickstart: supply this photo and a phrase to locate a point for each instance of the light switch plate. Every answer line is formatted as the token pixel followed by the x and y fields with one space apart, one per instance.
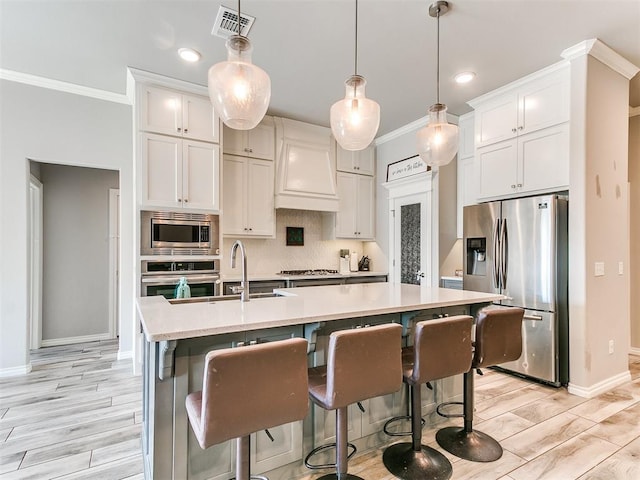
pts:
pixel 599 269
pixel 620 268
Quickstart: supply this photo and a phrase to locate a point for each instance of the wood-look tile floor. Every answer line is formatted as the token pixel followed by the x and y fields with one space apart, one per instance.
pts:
pixel 77 415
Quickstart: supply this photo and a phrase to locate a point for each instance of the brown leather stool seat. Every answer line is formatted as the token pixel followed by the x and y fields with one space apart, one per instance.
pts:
pixel 498 339
pixel 248 389
pixel 441 348
pixel 361 363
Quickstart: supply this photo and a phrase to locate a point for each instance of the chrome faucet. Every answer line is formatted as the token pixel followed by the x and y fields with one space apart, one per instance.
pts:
pixel 244 283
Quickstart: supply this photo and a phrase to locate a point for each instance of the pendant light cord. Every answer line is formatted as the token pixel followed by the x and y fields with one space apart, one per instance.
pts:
pixel 239 19
pixel 437 56
pixel 356 43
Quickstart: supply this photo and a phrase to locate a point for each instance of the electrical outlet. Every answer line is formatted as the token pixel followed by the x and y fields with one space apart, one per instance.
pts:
pixel 599 269
pixel 610 347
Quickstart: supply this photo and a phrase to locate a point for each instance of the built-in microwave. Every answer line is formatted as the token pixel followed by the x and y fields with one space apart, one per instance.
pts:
pixel 177 233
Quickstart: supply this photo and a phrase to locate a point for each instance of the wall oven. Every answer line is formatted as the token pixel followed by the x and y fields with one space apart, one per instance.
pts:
pixel 162 278
pixel 177 233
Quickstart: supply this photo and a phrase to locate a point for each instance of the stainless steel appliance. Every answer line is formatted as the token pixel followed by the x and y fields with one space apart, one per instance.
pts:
pixel 177 233
pixel 162 277
pixel 519 248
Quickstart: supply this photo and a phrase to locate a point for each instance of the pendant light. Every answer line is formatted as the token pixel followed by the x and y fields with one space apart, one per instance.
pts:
pixel 239 91
pixel 438 141
pixel 356 118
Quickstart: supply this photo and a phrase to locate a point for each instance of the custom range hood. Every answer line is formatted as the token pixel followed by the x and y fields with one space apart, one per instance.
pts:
pixel 305 167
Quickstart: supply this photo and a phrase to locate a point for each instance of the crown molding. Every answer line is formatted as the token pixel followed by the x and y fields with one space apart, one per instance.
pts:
pixel 60 86
pixel 604 54
pixel 151 78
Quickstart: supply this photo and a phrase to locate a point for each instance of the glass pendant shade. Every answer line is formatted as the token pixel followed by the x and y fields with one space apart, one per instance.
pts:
pixel 438 141
pixel 356 118
pixel 239 91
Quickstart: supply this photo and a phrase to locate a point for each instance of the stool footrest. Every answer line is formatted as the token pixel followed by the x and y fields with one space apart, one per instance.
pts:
pixel 449 415
pixel 385 428
pixel 322 448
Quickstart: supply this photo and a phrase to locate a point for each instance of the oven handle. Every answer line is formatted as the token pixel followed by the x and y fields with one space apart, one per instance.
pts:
pixel 191 279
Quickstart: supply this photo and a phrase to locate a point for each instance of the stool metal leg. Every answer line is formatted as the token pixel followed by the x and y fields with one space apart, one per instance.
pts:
pixel 242 458
pixel 413 460
pixel 342 449
pixel 466 442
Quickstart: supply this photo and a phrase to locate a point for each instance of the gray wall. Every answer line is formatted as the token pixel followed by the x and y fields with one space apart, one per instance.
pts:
pixel 75 278
pixel 55 127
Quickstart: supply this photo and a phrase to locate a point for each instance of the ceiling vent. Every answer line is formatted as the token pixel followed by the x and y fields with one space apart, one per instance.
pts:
pixel 227 23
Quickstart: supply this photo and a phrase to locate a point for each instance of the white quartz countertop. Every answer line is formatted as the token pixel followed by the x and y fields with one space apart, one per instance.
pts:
pixel 162 320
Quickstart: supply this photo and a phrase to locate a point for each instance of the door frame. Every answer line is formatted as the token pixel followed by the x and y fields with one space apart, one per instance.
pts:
pixel 419 186
pixel 36 193
pixel 114 260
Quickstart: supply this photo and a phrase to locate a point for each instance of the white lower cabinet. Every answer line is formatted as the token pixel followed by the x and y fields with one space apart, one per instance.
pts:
pixel 355 217
pixel 530 163
pixel 248 197
pixel 179 173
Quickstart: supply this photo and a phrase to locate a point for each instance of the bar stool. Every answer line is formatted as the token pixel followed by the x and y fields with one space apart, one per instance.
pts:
pixel 361 363
pixel 498 339
pixel 247 389
pixel 441 348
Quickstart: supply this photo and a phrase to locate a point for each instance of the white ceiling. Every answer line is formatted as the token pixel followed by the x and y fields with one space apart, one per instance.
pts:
pixel 307 46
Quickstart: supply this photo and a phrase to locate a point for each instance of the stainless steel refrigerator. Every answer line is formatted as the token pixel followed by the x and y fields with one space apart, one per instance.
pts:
pixel 519 248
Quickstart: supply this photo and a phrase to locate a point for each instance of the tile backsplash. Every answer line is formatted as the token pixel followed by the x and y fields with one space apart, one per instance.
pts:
pixel 268 256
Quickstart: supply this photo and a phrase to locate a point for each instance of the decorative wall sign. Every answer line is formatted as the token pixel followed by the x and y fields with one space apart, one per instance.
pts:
pixel 405 168
pixel 295 236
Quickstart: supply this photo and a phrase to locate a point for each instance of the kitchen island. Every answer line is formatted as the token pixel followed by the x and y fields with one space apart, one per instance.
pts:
pixel 178 336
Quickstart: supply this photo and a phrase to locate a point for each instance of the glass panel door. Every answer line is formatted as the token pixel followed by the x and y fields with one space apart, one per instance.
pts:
pixel 411 240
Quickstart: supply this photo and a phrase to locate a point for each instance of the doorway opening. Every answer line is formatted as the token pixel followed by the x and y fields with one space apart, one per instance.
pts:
pixel 74 254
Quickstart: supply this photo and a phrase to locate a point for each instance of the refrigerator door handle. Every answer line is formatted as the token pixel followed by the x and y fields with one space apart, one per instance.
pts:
pixel 496 255
pixel 504 252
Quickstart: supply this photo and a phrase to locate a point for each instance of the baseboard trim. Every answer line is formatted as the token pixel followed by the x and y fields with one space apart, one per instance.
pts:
pixel 125 355
pixel 600 387
pixel 54 342
pixel 15 371
pixel 634 350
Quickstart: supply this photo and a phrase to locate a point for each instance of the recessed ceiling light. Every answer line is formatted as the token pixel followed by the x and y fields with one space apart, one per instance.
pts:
pixel 465 77
pixel 189 54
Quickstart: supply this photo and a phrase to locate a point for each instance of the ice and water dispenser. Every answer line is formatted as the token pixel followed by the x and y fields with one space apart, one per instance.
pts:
pixel 476 256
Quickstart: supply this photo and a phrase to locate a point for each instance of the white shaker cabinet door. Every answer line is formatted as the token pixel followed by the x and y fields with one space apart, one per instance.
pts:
pixel 161 170
pixel 160 111
pixel 234 196
pixel 198 119
pixel 258 142
pixel 365 208
pixel 497 169
pixel 200 177
pixel 348 211
pixel 544 159
pixel 260 199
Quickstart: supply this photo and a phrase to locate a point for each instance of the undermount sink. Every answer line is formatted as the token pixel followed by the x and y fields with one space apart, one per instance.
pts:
pixel 220 298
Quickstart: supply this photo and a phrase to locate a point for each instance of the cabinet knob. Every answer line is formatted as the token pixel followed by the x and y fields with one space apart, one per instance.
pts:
pixel 179 199
pixel 519 185
pixel 251 229
pixel 245 229
pixel 520 128
pixel 186 200
pixel 513 130
pixel 179 129
pixel 248 150
pixel 513 186
pixel 186 130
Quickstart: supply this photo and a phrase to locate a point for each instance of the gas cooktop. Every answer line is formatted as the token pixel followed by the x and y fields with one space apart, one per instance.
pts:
pixel 320 271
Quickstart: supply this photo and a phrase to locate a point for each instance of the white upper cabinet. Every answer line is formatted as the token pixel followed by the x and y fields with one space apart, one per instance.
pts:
pixel 258 142
pixel 177 114
pixel 522 136
pixel 539 102
pixel 467 182
pixel 355 218
pixel 360 161
pixel 179 173
pixel 248 202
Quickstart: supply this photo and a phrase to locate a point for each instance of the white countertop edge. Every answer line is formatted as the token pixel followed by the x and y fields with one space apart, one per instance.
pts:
pixel 163 321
